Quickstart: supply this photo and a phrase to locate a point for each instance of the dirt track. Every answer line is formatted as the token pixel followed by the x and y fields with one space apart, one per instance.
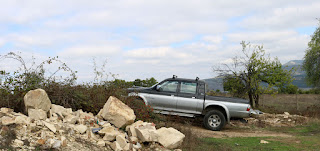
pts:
pixel 235 132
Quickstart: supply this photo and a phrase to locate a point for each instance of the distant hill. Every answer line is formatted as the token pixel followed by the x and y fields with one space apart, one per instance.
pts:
pixel 299 76
pixel 215 83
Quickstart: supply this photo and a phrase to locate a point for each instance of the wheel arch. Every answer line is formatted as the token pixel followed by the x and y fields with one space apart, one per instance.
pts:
pixel 220 108
pixel 139 96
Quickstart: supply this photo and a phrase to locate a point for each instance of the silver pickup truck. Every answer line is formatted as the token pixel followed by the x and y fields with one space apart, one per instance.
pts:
pixel 187 97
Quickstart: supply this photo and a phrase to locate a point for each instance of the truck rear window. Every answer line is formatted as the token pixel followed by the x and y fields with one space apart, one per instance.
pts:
pixel 188 87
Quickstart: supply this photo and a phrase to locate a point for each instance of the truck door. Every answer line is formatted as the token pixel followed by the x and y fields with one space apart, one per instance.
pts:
pixel 188 99
pixel 166 97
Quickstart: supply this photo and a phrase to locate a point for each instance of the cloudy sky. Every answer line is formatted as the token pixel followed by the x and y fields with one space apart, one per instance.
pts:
pixel 153 38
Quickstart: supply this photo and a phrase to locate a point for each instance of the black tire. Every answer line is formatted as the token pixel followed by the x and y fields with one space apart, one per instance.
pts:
pixel 214 120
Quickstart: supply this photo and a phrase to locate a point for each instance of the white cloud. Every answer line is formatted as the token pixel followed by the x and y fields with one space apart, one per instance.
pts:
pixel 90 50
pixel 155 38
pixel 290 16
pixel 213 39
pixel 2 42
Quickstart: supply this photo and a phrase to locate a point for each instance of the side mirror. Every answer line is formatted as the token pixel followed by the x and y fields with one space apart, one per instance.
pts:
pixel 158 87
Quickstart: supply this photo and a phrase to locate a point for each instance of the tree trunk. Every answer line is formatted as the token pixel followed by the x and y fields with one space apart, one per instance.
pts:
pixel 256 101
pixel 250 99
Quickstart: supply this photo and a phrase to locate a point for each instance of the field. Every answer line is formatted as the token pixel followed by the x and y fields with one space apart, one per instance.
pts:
pixel 302 104
pixel 240 136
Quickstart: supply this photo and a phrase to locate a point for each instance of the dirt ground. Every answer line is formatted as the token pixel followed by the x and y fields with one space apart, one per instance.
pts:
pixel 253 127
pixel 230 131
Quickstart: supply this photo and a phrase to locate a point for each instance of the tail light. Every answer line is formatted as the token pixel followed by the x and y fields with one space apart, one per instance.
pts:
pixel 248 108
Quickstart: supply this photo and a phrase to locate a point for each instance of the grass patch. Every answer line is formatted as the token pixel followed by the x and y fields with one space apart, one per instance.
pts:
pixel 305 137
pixel 308 129
pixel 243 143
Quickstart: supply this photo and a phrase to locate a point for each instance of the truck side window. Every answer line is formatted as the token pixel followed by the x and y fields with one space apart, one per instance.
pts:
pixel 169 86
pixel 188 87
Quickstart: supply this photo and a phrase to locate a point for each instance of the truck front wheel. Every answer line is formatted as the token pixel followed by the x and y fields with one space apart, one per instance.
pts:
pixel 214 120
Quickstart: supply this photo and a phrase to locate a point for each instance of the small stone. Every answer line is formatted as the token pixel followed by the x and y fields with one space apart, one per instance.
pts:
pixel 146 132
pixel 121 141
pixel 115 146
pixel 18 143
pixel 50 126
pixel 101 143
pixel 170 138
pixel 63 141
pixel 39 123
pixel 6 110
pixel 57 109
pixel 286 113
pixel 91 135
pixel 263 142
pixel 109 133
pixel 131 128
pixel 71 119
pixel 41 141
pixel 128 147
pixel 81 128
pixel 133 139
pixel 21 120
pixel 56 144
pixel 6 120
pixel 37 114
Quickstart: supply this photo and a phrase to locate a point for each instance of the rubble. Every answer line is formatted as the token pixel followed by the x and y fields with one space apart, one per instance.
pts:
pixel 60 128
pixel 276 120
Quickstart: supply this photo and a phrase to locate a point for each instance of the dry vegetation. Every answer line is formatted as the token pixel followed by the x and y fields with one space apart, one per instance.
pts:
pixel 302 104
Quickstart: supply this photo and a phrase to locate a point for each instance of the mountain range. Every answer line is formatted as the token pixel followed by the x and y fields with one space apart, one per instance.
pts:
pixel 299 77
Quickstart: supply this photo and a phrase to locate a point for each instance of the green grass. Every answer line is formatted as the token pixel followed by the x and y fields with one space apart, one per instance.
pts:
pixel 306 137
pixel 243 144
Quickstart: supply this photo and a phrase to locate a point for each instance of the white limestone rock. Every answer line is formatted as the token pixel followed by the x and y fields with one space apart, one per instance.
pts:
pixel 37 114
pixel 117 113
pixel 37 99
pixel 170 138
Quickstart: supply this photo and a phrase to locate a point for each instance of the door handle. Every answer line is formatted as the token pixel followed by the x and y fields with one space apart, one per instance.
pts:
pixel 193 97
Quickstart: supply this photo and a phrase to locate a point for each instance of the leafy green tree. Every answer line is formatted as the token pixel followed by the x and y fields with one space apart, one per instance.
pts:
pixel 311 63
pixel 251 69
pixel 145 83
pixel 137 82
pixel 234 85
pixel 289 89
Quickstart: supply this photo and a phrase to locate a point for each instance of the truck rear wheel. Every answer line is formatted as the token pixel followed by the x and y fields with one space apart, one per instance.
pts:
pixel 214 120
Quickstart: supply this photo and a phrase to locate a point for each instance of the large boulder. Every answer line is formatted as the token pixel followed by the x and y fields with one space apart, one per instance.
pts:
pixel 170 138
pixel 117 112
pixel 37 99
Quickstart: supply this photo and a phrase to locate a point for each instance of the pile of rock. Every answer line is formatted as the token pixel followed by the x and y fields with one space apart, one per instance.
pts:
pixel 277 120
pixel 52 126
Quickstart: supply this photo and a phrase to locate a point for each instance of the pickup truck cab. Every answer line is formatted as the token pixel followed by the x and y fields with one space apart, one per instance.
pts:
pixel 187 97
